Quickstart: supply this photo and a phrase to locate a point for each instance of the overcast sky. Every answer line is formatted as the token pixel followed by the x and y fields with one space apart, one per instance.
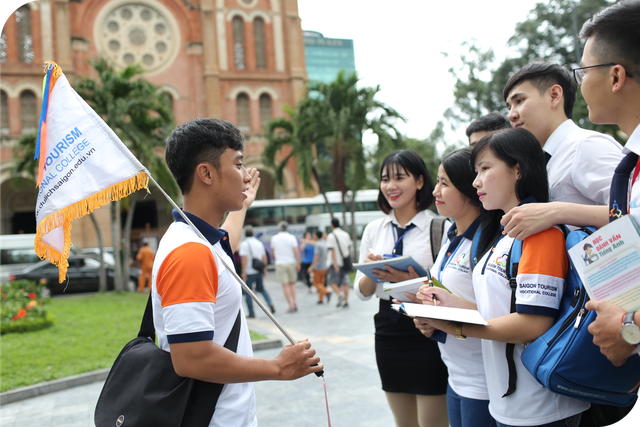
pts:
pixel 398 45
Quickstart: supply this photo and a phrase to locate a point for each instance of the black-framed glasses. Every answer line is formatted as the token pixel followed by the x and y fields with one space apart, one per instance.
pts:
pixel 578 73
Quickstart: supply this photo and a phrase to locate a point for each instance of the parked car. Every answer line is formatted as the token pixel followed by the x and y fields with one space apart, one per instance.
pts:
pixel 95 252
pixel 17 252
pixel 83 275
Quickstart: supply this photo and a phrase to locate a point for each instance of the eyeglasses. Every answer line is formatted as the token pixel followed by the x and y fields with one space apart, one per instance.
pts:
pixel 578 73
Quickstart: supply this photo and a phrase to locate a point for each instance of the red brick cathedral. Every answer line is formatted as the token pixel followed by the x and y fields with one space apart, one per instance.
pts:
pixel 239 60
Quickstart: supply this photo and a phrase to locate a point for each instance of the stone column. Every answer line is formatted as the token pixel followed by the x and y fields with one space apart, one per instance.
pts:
pixel 210 60
pixel 46 28
pixel 295 49
pixel 62 18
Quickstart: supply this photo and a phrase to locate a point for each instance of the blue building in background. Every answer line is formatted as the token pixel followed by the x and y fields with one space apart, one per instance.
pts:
pixel 326 57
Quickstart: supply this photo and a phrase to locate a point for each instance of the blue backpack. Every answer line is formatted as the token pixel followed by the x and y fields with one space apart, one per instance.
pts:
pixel 564 359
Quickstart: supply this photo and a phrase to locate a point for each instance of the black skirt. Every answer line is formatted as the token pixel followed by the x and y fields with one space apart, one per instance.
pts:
pixel 408 362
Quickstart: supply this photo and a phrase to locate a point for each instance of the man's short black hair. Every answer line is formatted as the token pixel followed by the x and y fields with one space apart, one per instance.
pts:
pixel 488 123
pixel 197 141
pixel 335 222
pixel 319 234
pixel 616 33
pixel 543 75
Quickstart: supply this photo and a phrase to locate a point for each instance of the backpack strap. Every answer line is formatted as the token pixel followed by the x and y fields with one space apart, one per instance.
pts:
pixel 513 261
pixel 436 229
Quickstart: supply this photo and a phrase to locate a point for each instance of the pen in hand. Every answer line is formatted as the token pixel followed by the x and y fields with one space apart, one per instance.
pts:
pixel 433 296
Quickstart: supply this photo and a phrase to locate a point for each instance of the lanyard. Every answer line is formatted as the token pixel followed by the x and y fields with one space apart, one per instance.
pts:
pixel 447 260
pixel 636 171
pixel 393 253
pixel 493 248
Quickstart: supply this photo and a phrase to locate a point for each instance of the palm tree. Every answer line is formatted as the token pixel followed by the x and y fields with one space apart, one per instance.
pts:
pixel 346 112
pixel 299 134
pixel 140 114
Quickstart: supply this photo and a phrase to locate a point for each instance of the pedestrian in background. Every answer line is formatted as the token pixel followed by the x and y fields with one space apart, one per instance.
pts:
pixel 319 267
pixel 307 248
pixel 146 257
pixel 252 249
pixel 284 247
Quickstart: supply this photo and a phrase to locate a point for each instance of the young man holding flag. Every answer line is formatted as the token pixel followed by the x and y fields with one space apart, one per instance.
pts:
pixel 195 299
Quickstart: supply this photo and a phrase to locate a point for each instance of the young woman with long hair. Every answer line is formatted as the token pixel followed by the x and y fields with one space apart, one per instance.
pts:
pixel 413 375
pixel 511 171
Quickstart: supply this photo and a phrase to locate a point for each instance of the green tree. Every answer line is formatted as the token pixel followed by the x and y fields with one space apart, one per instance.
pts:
pixel 140 114
pixel 324 135
pixel 549 33
pixel 346 112
pixel 296 135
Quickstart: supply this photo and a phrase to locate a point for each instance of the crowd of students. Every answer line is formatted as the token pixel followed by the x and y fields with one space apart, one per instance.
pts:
pixel 519 179
pixel 517 182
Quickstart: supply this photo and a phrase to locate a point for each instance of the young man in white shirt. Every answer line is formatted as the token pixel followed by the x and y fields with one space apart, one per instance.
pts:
pixel 338 246
pixel 580 162
pixel 609 74
pixel 284 248
pixel 196 300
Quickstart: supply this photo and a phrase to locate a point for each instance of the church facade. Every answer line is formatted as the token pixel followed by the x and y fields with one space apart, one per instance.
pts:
pixel 238 60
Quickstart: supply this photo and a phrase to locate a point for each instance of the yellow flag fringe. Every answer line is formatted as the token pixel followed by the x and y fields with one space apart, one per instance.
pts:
pixel 63 218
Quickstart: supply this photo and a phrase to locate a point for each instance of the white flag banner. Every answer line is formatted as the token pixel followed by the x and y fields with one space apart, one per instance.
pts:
pixel 83 165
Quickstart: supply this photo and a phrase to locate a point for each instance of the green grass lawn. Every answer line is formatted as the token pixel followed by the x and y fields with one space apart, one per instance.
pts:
pixel 87 334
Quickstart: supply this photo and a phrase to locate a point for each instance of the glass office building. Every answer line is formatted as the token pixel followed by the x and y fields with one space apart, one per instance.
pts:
pixel 326 57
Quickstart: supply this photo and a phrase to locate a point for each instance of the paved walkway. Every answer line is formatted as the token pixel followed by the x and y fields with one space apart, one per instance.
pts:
pixel 343 338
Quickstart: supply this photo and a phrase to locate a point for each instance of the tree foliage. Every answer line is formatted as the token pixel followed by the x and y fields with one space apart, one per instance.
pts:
pixel 549 33
pixel 141 115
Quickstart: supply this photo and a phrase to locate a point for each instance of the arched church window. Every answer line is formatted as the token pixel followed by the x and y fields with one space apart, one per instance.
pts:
pixel 25 39
pixel 265 109
pixel 3 48
pixel 258 31
pixel 244 116
pixel 238 43
pixel 4 113
pixel 28 111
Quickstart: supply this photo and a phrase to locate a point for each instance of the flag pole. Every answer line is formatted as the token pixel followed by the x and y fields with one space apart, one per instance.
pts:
pixel 231 270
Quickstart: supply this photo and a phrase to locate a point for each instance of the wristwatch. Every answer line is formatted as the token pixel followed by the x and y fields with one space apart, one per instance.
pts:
pixel 462 337
pixel 630 331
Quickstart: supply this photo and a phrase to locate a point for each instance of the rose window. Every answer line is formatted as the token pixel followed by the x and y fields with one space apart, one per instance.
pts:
pixel 137 33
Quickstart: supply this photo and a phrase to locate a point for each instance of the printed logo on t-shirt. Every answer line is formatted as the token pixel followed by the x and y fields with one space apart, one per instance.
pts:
pixel 497 264
pixel 460 263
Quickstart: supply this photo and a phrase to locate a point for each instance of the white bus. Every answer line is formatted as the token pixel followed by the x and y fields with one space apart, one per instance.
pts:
pixel 264 215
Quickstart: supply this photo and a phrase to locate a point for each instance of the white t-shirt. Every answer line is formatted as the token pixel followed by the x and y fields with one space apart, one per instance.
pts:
pixel 581 165
pixel 541 273
pixel 195 298
pixel 462 357
pixel 379 236
pixel 345 246
pixel 282 245
pixel 252 248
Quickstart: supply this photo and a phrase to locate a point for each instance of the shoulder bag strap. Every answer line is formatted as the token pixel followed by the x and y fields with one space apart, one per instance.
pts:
pixel 338 244
pixel 511 271
pixel 436 229
pixel 250 251
pixel 146 327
